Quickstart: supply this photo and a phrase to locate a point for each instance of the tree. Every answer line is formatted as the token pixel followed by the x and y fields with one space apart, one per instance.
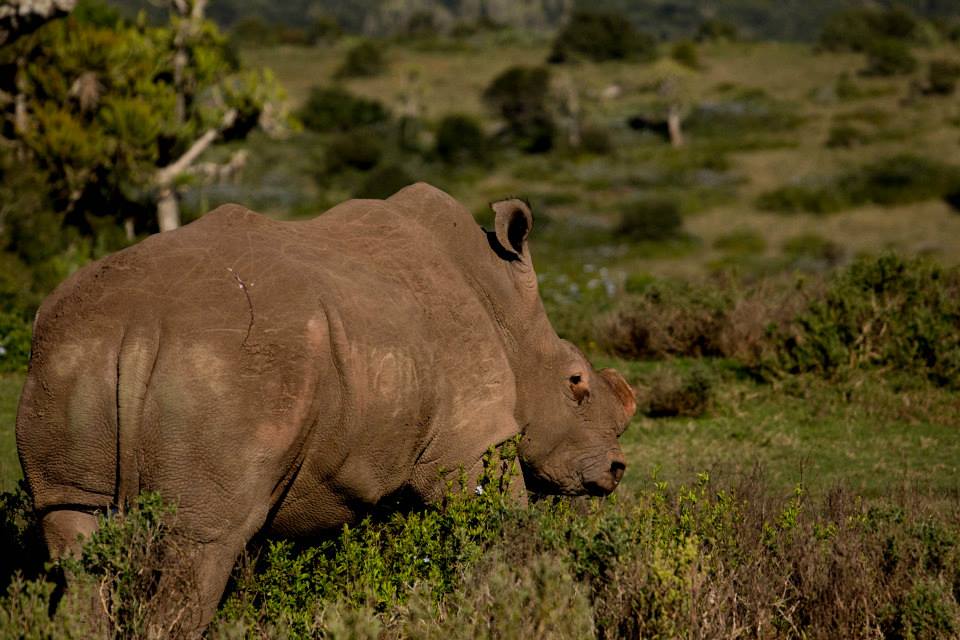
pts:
pixel 519 95
pixel 601 36
pixel 117 115
pixel 20 17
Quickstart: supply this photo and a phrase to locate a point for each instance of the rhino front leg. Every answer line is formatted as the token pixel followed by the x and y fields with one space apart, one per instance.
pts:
pixel 190 588
pixel 498 473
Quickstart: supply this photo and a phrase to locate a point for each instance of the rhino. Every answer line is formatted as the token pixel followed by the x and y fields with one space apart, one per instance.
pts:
pixel 287 378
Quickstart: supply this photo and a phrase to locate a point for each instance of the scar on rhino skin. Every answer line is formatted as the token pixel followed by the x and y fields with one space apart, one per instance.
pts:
pixel 245 288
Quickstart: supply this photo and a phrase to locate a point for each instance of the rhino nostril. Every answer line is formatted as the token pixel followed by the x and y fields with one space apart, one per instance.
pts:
pixel 616 469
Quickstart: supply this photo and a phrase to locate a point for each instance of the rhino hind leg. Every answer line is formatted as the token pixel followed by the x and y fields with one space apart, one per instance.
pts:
pixel 65 530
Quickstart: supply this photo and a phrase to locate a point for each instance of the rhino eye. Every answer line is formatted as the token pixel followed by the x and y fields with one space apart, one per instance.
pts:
pixel 575 379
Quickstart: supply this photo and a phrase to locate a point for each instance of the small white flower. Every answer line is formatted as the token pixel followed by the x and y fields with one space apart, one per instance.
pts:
pixel 426 559
pixel 3 350
pixel 478 490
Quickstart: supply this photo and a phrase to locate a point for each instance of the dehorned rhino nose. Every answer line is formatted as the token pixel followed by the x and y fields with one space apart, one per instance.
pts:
pixel 608 477
pixel 617 467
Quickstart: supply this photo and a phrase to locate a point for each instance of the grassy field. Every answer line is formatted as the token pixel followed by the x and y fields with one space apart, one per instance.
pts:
pixel 765 512
pixel 871 436
pixel 591 188
pixel 9 464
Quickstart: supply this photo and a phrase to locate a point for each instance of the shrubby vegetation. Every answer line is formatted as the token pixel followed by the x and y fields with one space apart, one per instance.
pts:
pixel 706 560
pixel 336 109
pixel 886 312
pixel 897 180
pixel 519 97
pixel 773 325
pixel 858 29
pixel 601 36
pixel 942 77
pixel 747 117
pixel 460 139
pixel 363 60
pixel 651 219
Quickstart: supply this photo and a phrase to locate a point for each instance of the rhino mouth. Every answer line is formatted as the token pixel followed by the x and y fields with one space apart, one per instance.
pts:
pixel 607 482
pixel 598 480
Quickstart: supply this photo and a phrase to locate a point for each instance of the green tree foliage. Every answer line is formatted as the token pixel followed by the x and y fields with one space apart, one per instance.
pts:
pixel 651 219
pixel 106 109
pixel 336 109
pixel 357 149
pixel 856 29
pixel 600 36
pixel 889 57
pixel 942 77
pixel 384 181
pixel 685 52
pixel 460 139
pixel 717 30
pixel 881 312
pixel 363 60
pixel 893 181
pixel 519 96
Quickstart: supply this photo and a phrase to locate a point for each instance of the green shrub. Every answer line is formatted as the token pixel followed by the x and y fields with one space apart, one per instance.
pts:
pixel 665 319
pixel 888 57
pixel 685 52
pixel 903 179
pixel 384 182
pixel 379 562
pixel 363 60
pixel 812 247
pixel 897 180
pixel 651 219
pixel 741 242
pixel 746 114
pixel 596 140
pixel 942 77
pixel 881 312
pixel 323 30
pixel 859 29
pixel 717 30
pixel 927 612
pixel 846 88
pixel 811 196
pixel 15 333
pixel 359 149
pixel 20 537
pixel 667 392
pixel 519 96
pixel 144 581
pixel 704 560
pixel 336 109
pixel 460 139
pixel 601 36
pixel 846 135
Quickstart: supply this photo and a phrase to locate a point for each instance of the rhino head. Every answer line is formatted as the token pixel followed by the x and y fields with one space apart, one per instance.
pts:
pixel 570 414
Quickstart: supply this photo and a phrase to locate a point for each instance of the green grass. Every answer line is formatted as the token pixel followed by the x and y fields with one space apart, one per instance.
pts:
pixel 10 385
pixel 864 434
pixel 718 175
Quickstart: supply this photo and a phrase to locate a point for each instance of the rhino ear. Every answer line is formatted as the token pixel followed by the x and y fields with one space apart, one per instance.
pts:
pixel 623 390
pixel 512 223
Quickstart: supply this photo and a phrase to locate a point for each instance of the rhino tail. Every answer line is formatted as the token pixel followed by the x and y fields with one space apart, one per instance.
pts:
pixel 135 364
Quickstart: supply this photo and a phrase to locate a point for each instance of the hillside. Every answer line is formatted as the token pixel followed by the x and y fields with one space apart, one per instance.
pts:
pixel 760 19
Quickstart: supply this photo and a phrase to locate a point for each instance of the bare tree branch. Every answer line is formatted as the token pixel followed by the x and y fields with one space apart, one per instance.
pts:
pixel 169 173
pixel 20 17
